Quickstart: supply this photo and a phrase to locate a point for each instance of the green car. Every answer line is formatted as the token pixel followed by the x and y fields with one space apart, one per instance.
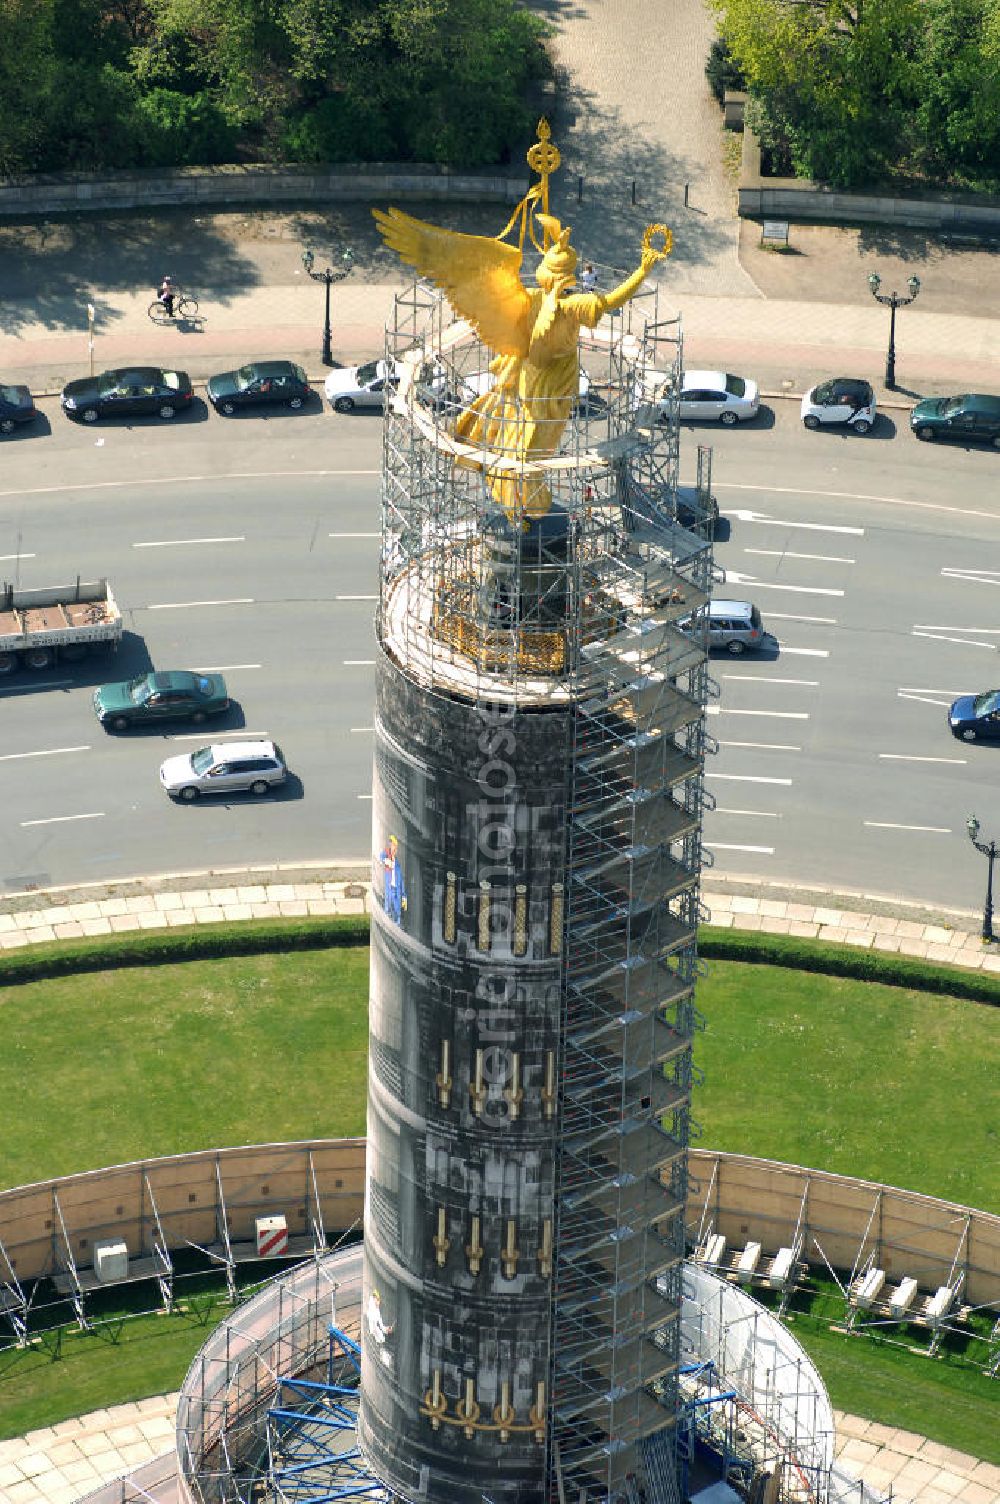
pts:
pixel 175 696
pixel 972 418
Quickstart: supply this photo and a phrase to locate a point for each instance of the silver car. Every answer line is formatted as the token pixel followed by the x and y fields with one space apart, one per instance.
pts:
pixel 224 768
pixel 360 386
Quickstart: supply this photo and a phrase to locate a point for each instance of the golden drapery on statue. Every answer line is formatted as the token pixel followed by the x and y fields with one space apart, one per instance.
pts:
pixel 533 331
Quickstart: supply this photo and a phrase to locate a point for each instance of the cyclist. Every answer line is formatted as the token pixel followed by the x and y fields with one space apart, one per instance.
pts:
pixel 167 294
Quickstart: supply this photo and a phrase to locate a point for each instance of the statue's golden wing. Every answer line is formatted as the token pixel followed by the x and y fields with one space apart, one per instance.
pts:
pixel 480 276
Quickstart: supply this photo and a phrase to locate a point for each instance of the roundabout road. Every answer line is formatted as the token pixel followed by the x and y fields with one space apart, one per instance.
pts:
pixel 251 546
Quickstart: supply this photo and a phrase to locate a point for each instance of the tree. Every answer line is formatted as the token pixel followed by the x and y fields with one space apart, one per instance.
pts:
pixel 837 81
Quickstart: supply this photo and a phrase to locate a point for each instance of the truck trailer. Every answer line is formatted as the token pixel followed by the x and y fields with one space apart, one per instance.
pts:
pixel 37 627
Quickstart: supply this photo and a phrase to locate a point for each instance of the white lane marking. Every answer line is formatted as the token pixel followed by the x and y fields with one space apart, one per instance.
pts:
pixel 63 819
pixel 48 752
pixel 181 542
pixel 937 830
pixel 928 626
pixel 36 685
pixel 239 600
pixel 784 553
pixel 907 757
pixel 963 642
pixel 889 501
pixel 805 652
pixel 766 679
pixel 813 527
pixel 367 797
pixel 219 736
pixel 975 576
pixel 746 778
pixel 774 715
pixel 922 689
pixel 763 746
pixel 352 535
pixel 726 846
pixel 734 577
pixel 359 662
pixel 173 480
pixel 4 557
pixel 362 730
pixel 924 700
pixel 757 814
pixel 823 621
pixel 223 668
pixel 355 597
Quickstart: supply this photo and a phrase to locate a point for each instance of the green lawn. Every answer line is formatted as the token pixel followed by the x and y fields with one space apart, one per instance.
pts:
pixel 121 1065
pixel 844 1075
pixel 852 1077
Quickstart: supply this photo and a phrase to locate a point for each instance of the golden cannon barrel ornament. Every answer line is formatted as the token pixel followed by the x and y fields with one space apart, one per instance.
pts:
pixel 533 332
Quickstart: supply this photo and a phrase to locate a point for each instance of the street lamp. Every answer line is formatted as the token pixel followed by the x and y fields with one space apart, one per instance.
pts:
pixel 989 850
pixel 329 275
pixel 892 300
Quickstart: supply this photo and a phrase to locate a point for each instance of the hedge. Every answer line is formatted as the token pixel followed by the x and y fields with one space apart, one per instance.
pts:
pixel 247 938
pixel 847 961
pixel 185 943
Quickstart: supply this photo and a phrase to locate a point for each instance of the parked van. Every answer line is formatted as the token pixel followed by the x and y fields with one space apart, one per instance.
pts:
pixel 735 626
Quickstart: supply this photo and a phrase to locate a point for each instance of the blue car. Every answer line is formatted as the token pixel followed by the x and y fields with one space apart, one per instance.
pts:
pixel 976 718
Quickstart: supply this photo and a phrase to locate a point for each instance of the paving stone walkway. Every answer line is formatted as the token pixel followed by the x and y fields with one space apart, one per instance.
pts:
pixel 64 1463
pixel 179 899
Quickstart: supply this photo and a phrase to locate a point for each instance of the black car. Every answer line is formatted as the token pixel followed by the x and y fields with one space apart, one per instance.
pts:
pixel 257 384
pixel 975 717
pixel 972 418
pixel 131 392
pixel 16 406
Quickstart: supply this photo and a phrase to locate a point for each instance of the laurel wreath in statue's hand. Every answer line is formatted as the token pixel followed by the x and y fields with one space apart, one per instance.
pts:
pixel 661 251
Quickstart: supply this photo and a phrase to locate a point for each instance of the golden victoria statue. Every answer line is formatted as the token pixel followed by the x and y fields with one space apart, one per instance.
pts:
pixel 534 331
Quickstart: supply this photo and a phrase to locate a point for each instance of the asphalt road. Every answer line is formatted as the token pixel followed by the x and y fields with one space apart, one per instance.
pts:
pixel 251 546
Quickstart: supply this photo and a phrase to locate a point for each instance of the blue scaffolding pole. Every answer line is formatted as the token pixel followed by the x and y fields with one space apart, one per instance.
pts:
pixel 313 1456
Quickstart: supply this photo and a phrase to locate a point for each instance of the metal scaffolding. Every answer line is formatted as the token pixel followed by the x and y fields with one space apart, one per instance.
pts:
pixel 594 609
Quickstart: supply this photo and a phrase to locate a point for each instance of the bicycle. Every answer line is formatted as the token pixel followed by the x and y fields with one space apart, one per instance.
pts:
pixel 185 307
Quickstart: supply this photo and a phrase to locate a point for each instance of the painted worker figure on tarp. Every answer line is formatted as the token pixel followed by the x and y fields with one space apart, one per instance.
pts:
pixel 393 886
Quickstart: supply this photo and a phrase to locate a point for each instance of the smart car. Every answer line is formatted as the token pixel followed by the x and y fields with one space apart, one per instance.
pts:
pixel 844 400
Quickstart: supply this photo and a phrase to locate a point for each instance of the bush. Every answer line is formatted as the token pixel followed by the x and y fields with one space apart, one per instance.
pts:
pixel 180 130
pixel 722 70
pixel 343 128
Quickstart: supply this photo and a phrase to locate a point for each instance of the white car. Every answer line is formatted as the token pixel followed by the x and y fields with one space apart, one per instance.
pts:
pixel 360 386
pixel 845 399
pixel 717 396
pixel 226 768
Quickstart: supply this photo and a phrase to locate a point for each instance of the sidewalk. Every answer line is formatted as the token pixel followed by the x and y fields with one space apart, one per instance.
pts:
pixel 786 345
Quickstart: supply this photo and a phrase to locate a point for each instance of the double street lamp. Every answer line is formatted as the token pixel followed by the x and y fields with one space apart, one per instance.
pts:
pixel 892 300
pixel 989 850
pixel 329 275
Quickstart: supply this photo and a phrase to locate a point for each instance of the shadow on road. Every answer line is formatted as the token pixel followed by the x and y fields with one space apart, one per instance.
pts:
pixel 38 429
